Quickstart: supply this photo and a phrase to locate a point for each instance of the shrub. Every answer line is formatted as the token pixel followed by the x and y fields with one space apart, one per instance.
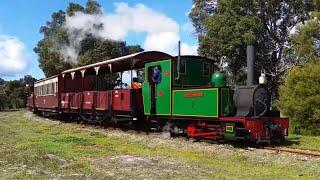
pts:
pixel 299 99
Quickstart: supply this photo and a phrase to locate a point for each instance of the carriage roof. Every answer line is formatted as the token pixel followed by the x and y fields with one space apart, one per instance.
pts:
pixel 132 61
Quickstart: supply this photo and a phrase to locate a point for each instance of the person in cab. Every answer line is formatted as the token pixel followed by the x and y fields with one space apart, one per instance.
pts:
pixel 135 84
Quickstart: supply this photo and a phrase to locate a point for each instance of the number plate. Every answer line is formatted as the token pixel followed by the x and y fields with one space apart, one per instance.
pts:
pixel 229 129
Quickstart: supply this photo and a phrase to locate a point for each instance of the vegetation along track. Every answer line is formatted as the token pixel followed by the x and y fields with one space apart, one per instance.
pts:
pixel 33 147
pixel 276 150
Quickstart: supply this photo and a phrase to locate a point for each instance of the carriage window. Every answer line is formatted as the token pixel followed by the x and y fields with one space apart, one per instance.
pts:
pixel 117 80
pixel 183 66
pixel 49 88
pixel 55 88
pixel 140 75
pixel 126 79
pixel 206 69
pixel 52 88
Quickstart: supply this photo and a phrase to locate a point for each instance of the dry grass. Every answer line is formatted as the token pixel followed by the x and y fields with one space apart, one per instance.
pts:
pixel 39 148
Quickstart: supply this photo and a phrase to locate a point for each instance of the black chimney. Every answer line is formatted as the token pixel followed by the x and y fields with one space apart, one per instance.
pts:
pixel 250 65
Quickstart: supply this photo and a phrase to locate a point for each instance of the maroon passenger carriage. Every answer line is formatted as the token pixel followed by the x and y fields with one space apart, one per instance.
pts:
pixel 44 95
pixel 94 92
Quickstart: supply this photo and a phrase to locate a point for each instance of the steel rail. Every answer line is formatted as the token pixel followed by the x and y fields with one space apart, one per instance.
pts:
pixel 294 151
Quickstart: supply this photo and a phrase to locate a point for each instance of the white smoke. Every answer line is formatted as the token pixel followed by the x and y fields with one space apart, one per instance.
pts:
pixel 162 31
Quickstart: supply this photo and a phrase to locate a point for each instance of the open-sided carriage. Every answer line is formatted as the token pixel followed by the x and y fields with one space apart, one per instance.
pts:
pixel 95 91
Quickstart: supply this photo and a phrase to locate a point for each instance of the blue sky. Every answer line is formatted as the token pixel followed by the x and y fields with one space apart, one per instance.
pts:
pixel 20 21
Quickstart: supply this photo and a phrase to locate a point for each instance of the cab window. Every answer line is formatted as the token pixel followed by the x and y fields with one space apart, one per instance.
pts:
pixel 154 73
pixel 183 66
pixel 206 69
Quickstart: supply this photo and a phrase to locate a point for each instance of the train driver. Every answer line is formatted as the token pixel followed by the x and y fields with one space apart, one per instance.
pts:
pixel 156 75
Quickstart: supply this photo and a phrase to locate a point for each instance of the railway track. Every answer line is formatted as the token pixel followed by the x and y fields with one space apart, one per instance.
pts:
pixel 294 151
pixel 274 149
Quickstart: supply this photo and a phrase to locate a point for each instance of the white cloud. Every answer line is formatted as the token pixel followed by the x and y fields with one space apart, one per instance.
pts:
pixel 162 31
pixel 189 49
pixel 13 59
pixel 162 41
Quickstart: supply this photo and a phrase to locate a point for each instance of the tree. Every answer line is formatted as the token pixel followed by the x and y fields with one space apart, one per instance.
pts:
pixel 93 7
pixel 91 50
pixel 28 79
pixel 305 45
pixel 12 94
pixel 226 27
pixel 2 81
pixel 299 98
pixel 4 100
pixel 50 60
pixel 95 50
pixel 73 7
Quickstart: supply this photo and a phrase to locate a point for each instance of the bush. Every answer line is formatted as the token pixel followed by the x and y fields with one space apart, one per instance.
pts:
pixel 299 99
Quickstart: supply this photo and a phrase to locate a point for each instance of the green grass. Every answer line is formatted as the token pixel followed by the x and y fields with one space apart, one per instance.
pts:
pixel 304 142
pixel 36 148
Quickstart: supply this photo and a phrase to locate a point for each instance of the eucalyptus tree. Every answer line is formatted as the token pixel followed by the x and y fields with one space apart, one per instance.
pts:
pixel 226 27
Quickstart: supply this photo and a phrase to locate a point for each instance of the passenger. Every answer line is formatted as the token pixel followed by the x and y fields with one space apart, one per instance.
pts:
pixel 135 84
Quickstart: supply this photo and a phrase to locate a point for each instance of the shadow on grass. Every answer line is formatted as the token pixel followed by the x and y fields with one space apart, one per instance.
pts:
pixel 292 141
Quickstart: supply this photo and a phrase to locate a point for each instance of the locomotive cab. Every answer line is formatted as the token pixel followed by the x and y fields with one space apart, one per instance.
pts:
pixel 184 91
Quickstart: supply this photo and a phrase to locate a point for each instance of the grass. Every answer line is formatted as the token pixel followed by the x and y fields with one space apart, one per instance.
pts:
pixel 304 142
pixel 37 148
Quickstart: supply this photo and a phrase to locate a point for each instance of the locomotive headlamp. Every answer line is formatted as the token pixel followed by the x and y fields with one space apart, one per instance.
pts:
pixel 262 78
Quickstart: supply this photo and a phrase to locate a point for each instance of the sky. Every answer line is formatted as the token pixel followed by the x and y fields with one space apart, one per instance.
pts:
pixel 155 25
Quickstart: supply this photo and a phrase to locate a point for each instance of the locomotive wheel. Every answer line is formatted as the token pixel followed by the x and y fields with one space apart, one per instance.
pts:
pixel 105 123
